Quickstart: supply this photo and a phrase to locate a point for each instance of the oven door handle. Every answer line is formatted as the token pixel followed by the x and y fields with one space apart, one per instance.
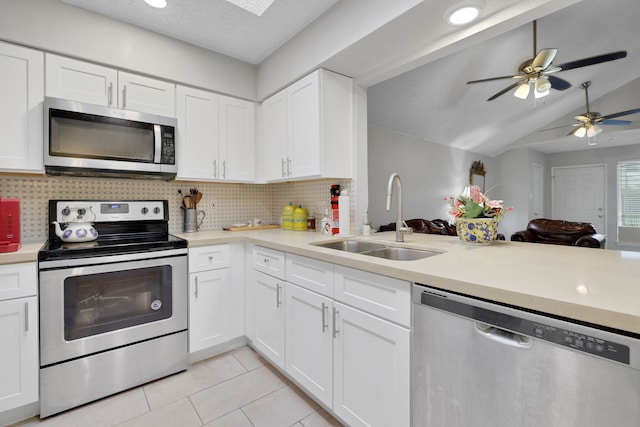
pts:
pixel 95 260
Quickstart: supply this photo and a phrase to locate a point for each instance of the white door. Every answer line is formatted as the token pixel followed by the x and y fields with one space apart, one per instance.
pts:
pixel 21 96
pixel 19 355
pixel 538 191
pixel 579 195
pixel 269 335
pixel 147 95
pixel 209 309
pixel 274 150
pixel 371 370
pixel 309 344
pixel 304 127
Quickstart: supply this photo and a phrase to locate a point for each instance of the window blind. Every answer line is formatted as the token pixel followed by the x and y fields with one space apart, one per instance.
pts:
pixel 629 201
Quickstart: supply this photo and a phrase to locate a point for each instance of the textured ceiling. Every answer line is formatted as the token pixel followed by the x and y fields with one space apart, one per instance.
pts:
pixel 433 102
pixel 217 24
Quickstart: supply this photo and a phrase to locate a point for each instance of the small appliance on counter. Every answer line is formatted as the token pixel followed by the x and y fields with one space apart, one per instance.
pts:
pixel 9 225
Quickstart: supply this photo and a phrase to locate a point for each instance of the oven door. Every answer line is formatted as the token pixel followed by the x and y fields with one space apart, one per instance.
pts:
pixel 85 309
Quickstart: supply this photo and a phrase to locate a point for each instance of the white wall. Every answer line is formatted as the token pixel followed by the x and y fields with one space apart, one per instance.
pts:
pixel 429 173
pixel 54 26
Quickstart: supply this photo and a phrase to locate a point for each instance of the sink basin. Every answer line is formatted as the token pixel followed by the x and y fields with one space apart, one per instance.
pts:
pixel 400 254
pixel 377 250
pixel 351 246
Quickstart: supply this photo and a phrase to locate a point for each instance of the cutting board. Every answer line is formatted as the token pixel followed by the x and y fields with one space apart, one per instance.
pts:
pixel 255 227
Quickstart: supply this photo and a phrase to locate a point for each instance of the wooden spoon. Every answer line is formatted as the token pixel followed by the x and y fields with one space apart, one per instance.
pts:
pixel 198 198
pixel 187 202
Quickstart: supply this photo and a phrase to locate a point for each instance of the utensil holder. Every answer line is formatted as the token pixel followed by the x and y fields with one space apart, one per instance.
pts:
pixel 191 221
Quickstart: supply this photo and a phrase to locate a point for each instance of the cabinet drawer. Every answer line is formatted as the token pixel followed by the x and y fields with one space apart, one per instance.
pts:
pixel 269 261
pixel 310 273
pixel 381 296
pixel 18 280
pixel 208 258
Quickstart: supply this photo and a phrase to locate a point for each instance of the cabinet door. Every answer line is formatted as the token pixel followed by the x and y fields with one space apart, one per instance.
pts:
pixel 269 333
pixel 22 92
pixel 237 139
pixel 208 258
pixel 309 344
pixel 19 356
pixel 304 127
pixel 209 309
pixel 371 370
pixel 197 112
pixel 138 93
pixel 80 81
pixel 274 150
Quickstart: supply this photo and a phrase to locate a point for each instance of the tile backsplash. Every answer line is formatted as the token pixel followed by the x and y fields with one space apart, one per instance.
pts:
pixel 224 204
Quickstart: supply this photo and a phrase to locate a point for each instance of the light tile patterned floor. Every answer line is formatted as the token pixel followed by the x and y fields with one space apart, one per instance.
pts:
pixel 236 389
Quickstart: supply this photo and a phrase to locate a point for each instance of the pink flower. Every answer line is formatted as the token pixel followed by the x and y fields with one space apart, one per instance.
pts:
pixel 476 195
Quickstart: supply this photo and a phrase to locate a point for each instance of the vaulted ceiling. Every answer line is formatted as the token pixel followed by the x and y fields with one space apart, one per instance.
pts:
pixel 427 98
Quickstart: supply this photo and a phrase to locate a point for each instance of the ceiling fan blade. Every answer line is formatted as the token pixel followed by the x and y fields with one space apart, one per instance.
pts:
pixel 558 83
pixel 543 59
pixel 507 89
pixel 620 114
pixel 591 61
pixel 614 122
pixel 494 78
pixel 556 127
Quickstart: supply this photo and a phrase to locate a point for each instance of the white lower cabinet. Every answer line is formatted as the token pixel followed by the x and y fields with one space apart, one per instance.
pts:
pixel 19 365
pixel 269 318
pixel 216 313
pixel 309 341
pixel 370 369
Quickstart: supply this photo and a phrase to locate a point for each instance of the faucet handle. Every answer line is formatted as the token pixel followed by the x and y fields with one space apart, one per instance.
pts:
pixel 406 229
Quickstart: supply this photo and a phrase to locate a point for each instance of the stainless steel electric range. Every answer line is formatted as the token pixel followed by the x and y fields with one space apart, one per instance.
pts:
pixel 113 311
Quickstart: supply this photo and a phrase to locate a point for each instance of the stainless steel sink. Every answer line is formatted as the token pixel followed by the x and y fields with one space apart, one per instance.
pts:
pixel 377 250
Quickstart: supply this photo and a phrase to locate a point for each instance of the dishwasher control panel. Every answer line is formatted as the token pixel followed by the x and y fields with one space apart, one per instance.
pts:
pixel 578 341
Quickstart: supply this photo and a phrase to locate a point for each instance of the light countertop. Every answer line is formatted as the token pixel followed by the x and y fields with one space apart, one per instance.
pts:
pixel 590 285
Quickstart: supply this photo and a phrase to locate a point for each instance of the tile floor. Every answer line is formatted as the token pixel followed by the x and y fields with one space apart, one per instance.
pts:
pixel 235 389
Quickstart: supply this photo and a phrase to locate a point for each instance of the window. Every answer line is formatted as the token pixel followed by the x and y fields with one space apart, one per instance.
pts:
pixel 629 202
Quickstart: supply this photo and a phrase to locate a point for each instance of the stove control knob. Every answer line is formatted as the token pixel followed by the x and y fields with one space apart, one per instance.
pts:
pixel 82 211
pixel 156 210
pixel 145 211
pixel 66 211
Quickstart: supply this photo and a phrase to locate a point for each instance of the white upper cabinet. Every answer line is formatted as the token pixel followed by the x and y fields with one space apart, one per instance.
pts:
pixel 308 129
pixel 216 136
pixel 237 139
pixel 95 84
pixel 22 92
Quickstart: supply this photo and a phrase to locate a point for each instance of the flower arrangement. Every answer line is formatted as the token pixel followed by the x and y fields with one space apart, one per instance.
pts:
pixel 473 204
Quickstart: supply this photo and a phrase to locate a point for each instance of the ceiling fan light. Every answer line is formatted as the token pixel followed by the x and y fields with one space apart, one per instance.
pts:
pixel 543 85
pixel 522 91
pixel 593 130
pixel 580 132
pixel 539 94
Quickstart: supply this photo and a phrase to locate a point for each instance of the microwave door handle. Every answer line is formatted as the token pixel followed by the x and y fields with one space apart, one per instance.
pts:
pixel 157 136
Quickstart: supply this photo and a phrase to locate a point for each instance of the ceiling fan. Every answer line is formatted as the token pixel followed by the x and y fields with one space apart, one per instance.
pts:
pixel 590 121
pixel 538 71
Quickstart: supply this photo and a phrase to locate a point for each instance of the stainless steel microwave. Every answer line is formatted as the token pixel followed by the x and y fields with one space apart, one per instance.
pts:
pixel 93 140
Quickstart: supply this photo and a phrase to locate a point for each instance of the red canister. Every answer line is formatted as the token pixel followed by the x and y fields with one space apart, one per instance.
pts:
pixel 9 225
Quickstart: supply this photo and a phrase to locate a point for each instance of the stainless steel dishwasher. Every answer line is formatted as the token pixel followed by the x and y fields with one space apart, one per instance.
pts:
pixel 476 363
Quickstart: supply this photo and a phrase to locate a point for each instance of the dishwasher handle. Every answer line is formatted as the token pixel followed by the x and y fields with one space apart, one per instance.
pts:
pixel 503 336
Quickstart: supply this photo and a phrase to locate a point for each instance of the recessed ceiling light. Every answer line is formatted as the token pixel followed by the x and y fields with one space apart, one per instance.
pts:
pixel 462 13
pixel 257 7
pixel 157 3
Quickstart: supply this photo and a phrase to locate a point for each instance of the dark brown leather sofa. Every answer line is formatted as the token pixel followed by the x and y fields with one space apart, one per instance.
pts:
pixel 425 226
pixel 560 232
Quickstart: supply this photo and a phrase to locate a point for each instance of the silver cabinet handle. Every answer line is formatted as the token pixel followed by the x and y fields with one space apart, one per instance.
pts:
pixel 210 257
pixel 278 302
pixel 335 324
pixel 288 166
pixel 324 324
pixel 26 317
pixel 283 166
pixel 124 96
pixel 196 293
pixel 110 94
pixel 215 168
pixel 224 169
pixel 266 260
